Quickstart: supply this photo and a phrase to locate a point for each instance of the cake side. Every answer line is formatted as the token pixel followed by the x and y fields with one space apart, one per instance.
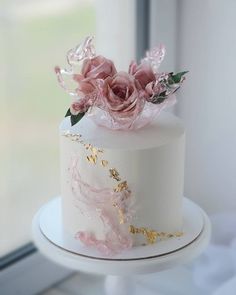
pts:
pixel 150 160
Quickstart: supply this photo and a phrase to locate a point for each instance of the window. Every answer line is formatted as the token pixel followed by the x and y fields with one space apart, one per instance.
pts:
pixel 36 36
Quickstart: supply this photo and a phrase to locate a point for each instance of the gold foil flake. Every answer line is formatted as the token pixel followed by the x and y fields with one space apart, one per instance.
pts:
pixel 120 213
pixel 121 216
pixel 88 146
pixel 92 159
pixel 72 136
pixel 114 174
pixel 178 234
pixel 104 163
pixel 121 187
pixel 94 150
pixel 152 235
pixel 133 230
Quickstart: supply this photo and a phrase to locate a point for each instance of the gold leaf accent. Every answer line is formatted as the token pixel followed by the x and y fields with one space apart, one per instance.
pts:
pixel 179 234
pixel 152 235
pixel 88 146
pixel 92 159
pixel 72 136
pixel 104 163
pixel 88 158
pixel 120 213
pixel 94 150
pixel 121 187
pixel 121 216
pixel 114 174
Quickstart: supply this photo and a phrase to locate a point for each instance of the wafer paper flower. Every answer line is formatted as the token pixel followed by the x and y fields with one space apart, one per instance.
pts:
pixel 93 69
pixel 117 100
pixel 142 73
pixel 121 96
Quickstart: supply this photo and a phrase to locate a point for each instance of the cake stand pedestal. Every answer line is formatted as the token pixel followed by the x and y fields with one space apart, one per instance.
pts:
pixel 51 241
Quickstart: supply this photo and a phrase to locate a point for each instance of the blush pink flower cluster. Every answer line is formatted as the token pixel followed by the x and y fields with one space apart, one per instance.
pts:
pixel 119 93
pixel 122 96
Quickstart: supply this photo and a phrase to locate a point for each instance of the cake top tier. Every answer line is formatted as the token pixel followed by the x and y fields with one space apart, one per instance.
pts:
pixel 163 130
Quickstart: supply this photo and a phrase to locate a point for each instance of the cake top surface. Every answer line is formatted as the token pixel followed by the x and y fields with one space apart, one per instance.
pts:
pixel 165 129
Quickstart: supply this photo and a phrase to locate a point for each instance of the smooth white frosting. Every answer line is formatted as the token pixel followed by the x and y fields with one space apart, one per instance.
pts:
pixel 151 159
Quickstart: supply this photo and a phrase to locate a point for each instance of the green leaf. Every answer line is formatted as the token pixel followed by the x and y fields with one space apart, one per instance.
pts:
pixel 68 113
pixel 76 118
pixel 177 77
pixel 157 99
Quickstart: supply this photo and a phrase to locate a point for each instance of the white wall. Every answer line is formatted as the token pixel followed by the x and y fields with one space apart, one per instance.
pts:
pixel 200 36
pixel 207 102
pixel 163 29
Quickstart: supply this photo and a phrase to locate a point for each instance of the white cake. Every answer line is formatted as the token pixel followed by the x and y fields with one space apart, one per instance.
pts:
pixel 150 160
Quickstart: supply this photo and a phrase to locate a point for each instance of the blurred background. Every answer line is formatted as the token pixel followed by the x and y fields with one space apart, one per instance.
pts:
pixel 199 37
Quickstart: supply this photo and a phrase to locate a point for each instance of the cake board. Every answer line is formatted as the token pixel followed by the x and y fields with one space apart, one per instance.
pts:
pixel 51 241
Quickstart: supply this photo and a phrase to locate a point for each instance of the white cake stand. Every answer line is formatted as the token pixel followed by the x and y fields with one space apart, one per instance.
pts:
pixel 53 243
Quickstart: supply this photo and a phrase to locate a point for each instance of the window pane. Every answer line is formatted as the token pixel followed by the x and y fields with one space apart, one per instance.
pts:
pixel 35 37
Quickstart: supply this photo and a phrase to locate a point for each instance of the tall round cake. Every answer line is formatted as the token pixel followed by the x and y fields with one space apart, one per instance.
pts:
pixel 122 158
pixel 148 161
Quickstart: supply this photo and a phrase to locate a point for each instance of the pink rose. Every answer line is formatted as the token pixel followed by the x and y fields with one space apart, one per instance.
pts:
pixel 98 67
pixel 95 68
pixel 143 73
pixel 121 97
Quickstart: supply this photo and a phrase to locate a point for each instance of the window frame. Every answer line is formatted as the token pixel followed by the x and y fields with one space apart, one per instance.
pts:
pixel 17 255
pixel 31 274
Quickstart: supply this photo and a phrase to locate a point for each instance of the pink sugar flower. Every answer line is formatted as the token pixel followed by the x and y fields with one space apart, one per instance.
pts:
pixel 121 96
pixel 92 69
pixel 143 73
